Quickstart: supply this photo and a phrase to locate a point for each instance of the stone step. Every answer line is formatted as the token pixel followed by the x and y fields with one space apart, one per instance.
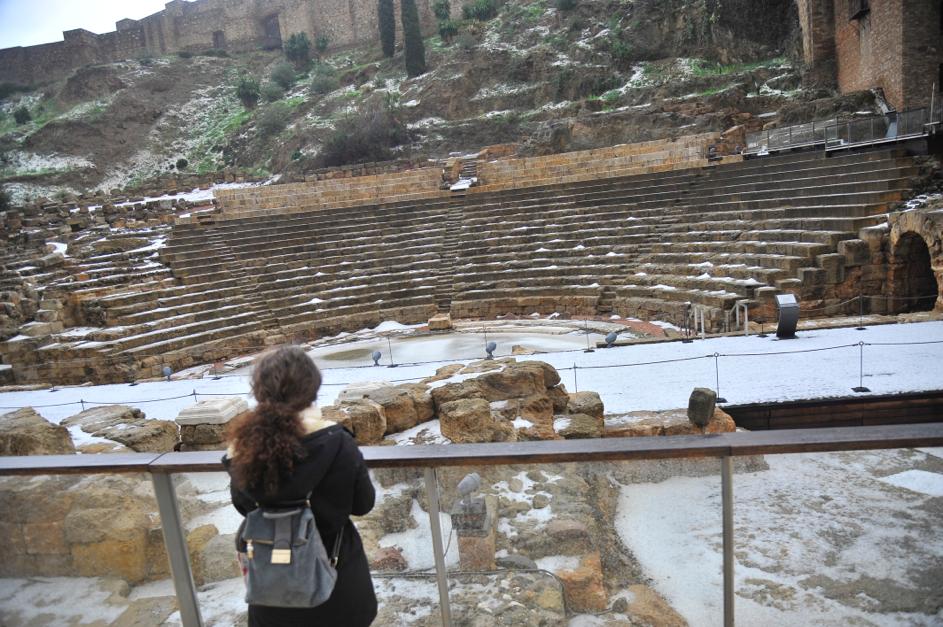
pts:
pixel 155 337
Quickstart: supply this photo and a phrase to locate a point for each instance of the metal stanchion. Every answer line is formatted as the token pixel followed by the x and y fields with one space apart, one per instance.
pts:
pixel 860 389
pixel 432 495
pixel 720 399
pixel 176 542
pixel 726 489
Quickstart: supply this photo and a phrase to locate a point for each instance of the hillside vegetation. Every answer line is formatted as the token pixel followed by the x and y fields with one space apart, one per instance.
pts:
pixel 550 75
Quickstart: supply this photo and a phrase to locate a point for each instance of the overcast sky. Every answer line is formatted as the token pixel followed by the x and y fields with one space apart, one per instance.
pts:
pixel 28 22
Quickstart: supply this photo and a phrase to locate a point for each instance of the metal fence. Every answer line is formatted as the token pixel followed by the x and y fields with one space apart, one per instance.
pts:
pixel 892 127
pixel 726 447
pixel 835 135
pixel 788 137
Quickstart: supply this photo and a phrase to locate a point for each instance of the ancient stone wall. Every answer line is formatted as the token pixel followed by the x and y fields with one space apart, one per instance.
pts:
pixel 233 25
pixel 623 160
pixel 817 20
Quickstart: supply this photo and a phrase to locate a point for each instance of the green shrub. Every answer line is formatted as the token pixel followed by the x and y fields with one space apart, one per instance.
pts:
pixel 565 5
pixel 247 91
pixel 273 119
pixel 182 164
pixel 442 10
pixel 298 50
pixel 271 92
pixel 369 136
pixel 447 30
pixel 323 82
pixel 283 75
pixel 5 201
pixel 620 49
pixel 481 10
pixel 386 18
pixel 214 52
pixel 22 115
pixel 321 42
pixel 185 54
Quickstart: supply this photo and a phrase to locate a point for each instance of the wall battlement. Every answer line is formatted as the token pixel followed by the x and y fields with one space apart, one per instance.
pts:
pixel 198 25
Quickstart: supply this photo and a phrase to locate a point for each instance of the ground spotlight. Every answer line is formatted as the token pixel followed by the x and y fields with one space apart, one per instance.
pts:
pixel 611 339
pixel 376 357
pixel 167 372
pixel 490 348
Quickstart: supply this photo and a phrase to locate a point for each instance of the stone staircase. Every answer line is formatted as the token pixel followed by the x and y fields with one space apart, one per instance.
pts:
pixel 450 252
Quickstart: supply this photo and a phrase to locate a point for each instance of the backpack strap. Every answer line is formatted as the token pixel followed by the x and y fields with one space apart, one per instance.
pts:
pixel 337 548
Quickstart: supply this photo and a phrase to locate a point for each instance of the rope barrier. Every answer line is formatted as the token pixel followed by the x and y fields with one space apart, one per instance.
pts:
pixel 196 393
pixel 807 350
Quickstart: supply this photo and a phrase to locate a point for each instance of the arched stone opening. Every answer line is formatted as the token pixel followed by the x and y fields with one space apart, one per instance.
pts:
pixel 913 283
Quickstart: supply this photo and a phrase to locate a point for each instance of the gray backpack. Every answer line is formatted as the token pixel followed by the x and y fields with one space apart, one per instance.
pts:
pixel 286 562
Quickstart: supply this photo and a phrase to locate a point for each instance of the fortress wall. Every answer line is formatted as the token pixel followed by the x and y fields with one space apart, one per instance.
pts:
pixel 190 26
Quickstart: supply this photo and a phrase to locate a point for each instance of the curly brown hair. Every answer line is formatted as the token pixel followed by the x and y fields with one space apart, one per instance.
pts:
pixel 266 443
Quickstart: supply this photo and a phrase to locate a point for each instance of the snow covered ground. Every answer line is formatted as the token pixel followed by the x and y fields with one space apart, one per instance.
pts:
pixel 824 539
pixel 751 369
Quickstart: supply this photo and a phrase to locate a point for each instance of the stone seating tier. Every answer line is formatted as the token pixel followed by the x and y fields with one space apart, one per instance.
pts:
pixel 645 244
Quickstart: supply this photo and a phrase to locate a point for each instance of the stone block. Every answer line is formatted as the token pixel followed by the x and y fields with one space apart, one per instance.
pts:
pixel 47 315
pixel 440 322
pixel 583 586
pixel 701 406
pixel 855 252
pixel 476 553
pixel 812 277
pixel 217 411
pixel 24 432
pixel 834 266
pixel 585 403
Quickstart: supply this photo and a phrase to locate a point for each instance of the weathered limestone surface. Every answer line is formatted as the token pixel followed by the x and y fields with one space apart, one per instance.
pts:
pixel 203 426
pixel 24 432
pixel 127 426
pixel 92 526
pixel 671 422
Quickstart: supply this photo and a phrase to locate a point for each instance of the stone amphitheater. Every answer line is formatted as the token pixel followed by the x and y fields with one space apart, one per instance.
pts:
pixel 652 230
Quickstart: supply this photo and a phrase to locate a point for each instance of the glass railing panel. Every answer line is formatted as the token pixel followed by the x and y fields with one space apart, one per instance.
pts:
pixel 840 539
pixel 75 546
pixel 553 543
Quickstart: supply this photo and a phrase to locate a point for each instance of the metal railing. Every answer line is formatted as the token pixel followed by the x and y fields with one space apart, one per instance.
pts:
pixel 725 446
pixel 892 127
pixel 787 137
pixel 835 135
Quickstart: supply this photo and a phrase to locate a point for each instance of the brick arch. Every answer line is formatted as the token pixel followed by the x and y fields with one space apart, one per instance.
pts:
pixel 915 260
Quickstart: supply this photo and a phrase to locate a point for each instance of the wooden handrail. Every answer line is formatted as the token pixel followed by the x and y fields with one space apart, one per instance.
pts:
pixel 506 453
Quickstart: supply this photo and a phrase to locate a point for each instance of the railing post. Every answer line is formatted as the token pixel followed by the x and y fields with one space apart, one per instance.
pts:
pixel 726 483
pixel 432 497
pixel 176 543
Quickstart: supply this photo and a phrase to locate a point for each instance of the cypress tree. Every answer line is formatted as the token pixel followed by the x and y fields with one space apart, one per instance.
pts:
pixel 412 39
pixel 387 20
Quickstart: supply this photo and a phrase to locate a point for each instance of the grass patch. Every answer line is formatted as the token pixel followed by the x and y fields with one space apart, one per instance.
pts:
pixel 702 68
pixel 220 125
pixel 712 91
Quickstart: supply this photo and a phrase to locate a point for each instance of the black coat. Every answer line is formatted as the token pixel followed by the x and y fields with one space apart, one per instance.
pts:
pixel 335 474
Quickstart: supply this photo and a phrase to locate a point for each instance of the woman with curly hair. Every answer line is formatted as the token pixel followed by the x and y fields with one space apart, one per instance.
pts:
pixel 281 452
